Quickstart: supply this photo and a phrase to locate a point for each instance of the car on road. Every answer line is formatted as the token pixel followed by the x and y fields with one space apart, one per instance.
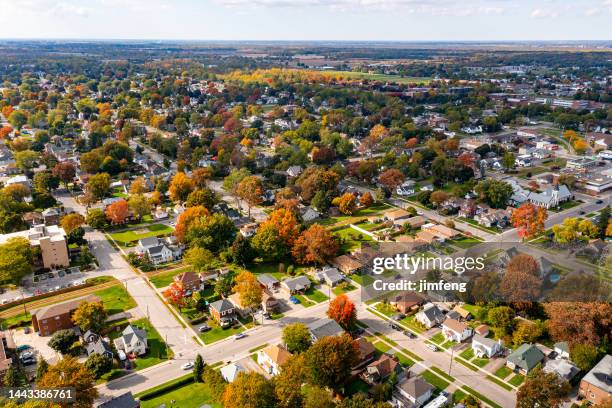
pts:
pixel 396 327
pixel 432 347
pixel 239 336
pixel 599 202
pixel 187 366
pixel 204 328
pixel 581 212
pixel 409 334
pixel 294 300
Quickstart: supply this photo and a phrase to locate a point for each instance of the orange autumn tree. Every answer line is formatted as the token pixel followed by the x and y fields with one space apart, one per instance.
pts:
pixel 366 199
pixel 346 203
pixel 391 178
pixel 343 311
pixel 118 212
pixel 529 220
pixel 285 223
pixel 315 245
pixel 180 187
pixel 186 219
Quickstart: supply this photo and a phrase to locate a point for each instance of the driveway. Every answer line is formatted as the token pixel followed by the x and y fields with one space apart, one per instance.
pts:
pixel 38 343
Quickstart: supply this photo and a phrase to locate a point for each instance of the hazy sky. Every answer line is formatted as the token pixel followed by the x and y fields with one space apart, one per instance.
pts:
pixel 400 20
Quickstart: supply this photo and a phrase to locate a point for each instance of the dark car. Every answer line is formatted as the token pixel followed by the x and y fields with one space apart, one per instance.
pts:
pixel 581 212
pixel 409 334
pixel 599 202
pixel 396 327
pixel 204 328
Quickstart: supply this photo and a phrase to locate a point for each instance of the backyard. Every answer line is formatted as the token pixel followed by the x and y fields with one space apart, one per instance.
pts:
pixel 192 395
pixel 127 238
pixel 350 238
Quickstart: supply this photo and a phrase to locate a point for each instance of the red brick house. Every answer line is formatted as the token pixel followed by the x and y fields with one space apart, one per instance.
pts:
pixel 50 319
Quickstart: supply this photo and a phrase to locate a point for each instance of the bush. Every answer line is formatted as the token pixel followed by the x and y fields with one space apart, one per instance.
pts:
pixel 290 270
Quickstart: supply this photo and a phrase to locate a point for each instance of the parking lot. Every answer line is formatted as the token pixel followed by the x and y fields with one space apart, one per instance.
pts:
pixel 38 346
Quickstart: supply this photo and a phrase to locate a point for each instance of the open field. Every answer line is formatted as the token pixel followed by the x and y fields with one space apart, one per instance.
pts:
pixel 381 77
pixel 133 235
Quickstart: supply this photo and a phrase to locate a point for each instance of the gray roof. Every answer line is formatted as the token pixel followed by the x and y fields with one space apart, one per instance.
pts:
pixel 266 279
pixel 483 340
pixel 99 347
pixel 122 401
pixel 131 334
pixel 148 242
pixel 415 386
pixel 222 305
pixel 527 356
pixel 157 249
pixel 230 371
pixel 325 327
pixel 601 375
pixel 563 368
pixel 298 283
pixel 432 313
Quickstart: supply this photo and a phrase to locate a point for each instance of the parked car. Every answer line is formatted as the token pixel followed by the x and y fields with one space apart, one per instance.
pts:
pixel 409 334
pixel 204 328
pixel 294 300
pixel 432 347
pixel 61 274
pixel 28 361
pixel 396 327
pixel 187 366
pixel 398 316
pixel 239 336
pixel 599 202
pixel 22 348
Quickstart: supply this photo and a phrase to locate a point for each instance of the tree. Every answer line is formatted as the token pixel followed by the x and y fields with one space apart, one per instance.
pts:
pixel 12 377
pixel 98 365
pixel 346 203
pixel 231 182
pixel 438 197
pixel 17 192
pixel 139 205
pixel 315 245
pixel 198 369
pixel 248 288
pixel 508 160
pixel 529 220
pixel 15 260
pixel 318 398
pixel 96 218
pixel 90 316
pixel 288 384
pixel 366 199
pixel 361 400
pixel 391 178
pixel 542 389
pixel 329 361
pixel 567 231
pixel 285 222
pixel 215 381
pixel 138 186
pixel 296 337
pixel 224 286
pixel 199 258
pixel 521 282
pixel 200 176
pixel 71 222
pixel 588 229
pixel 204 197
pixel 249 390
pixel 180 187
pixel 45 181
pixel 212 232
pixel 62 340
pixel 603 221
pixel 91 161
pixel 250 190
pixel 118 211
pixel 423 197
pixel 269 244
pixel 26 159
pixel 69 373
pixel 496 193
pixel 578 322
pixel 98 185
pixel 242 251
pixel 585 356
pixel 176 295
pixel 41 367
pixel 343 311
pixel 502 317
pixel 186 219
pixel 526 332
pixel 65 171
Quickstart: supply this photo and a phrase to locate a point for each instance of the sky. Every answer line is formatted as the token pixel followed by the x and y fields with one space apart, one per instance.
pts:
pixel 310 20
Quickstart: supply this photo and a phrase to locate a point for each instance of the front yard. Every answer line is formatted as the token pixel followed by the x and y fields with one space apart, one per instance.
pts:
pixel 115 299
pixel 193 395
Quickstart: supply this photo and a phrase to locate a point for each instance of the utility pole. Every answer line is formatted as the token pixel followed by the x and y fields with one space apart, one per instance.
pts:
pixel 450 364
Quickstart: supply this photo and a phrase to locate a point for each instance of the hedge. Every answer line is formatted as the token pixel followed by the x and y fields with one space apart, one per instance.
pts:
pixel 165 388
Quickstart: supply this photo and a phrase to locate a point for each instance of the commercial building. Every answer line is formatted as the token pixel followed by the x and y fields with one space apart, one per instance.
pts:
pixel 51 240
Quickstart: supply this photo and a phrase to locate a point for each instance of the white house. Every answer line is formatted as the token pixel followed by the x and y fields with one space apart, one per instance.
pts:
pixel 133 340
pixel 430 315
pixel 230 371
pixel 158 250
pixel 411 392
pixel 484 347
pixel 455 330
pixel 272 358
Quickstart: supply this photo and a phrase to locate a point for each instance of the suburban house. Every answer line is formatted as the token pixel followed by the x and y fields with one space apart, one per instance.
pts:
pixel 230 371
pixel 329 275
pixel 248 230
pixel 188 282
pixel 430 316
pixel 50 319
pixel 525 358
pixel 158 250
pixel 125 400
pixel 309 214
pixel 365 351
pixel 272 358
pixel 298 284
pixel 482 330
pixel 563 368
pixel 551 197
pixel 596 385
pixel 7 342
pixel 99 346
pixel 348 265
pixel 485 347
pixel 455 330
pixel 268 282
pixel 411 392
pixel 379 370
pixel 294 171
pixel 223 311
pixel 133 340
pixel 398 216
pixel 441 231
pixel 324 327
pixel 52 243
pixel 416 222
pixel 406 302
pixel 562 349
pixel 269 303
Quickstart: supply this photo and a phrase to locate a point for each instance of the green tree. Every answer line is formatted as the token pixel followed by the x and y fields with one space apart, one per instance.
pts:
pixel 62 340
pixel 99 185
pixel 26 159
pixel 139 205
pixel 288 384
pixel 269 244
pixel 198 368
pixel 329 361
pixel 98 364
pixel 41 368
pixel 542 389
pixel 15 260
pixel 45 181
pixel 296 337
pixel 502 317
pixel 584 356
pixel 318 398
pixel 96 218
pixel 508 160
pixel 602 221
pixel 212 232
pixel 199 258
pixel 205 197
pixel 496 193
pixel 242 251
pixel 249 390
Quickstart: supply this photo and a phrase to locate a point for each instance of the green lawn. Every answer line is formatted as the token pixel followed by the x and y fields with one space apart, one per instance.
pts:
pixel 404 361
pixel 443 373
pixel 466 364
pixel 499 382
pixel 481 397
pixel 304 301
pixel 163 279
pixel 438 338
pixel 155 230
pixel 411 322
pixel 356 386
pixel 362 280
pixel 415 357
pixel 115 299
pixel 465 242
pixel 468 354
pixel 382 347
pixel 157 350
pixel 381 77
pixel 434 380
pixel 448 344
pixel 343 288
pixel 385 309
pixel 316 295
pixel 517 380
pixel 217 333
pixel 503 372
pixel 351 238
pixel 192 395
pixel 22 319
pixel 480 362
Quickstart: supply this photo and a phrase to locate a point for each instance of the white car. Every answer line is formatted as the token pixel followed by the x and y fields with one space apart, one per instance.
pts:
pixel 187 366
pixel 432 347
pixel 239 336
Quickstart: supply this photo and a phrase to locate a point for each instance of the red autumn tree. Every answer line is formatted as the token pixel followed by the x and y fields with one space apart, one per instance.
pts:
pixel 315 245
pixel 65 171
pixel 521 282
pixel 343 311
pixel 118 212
pixel 175 295
pixel 411 143
pixel 579 322
pixel 366 199
pixel 529 220
pixel 391 178
pixel 285 223
pixel 186 218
